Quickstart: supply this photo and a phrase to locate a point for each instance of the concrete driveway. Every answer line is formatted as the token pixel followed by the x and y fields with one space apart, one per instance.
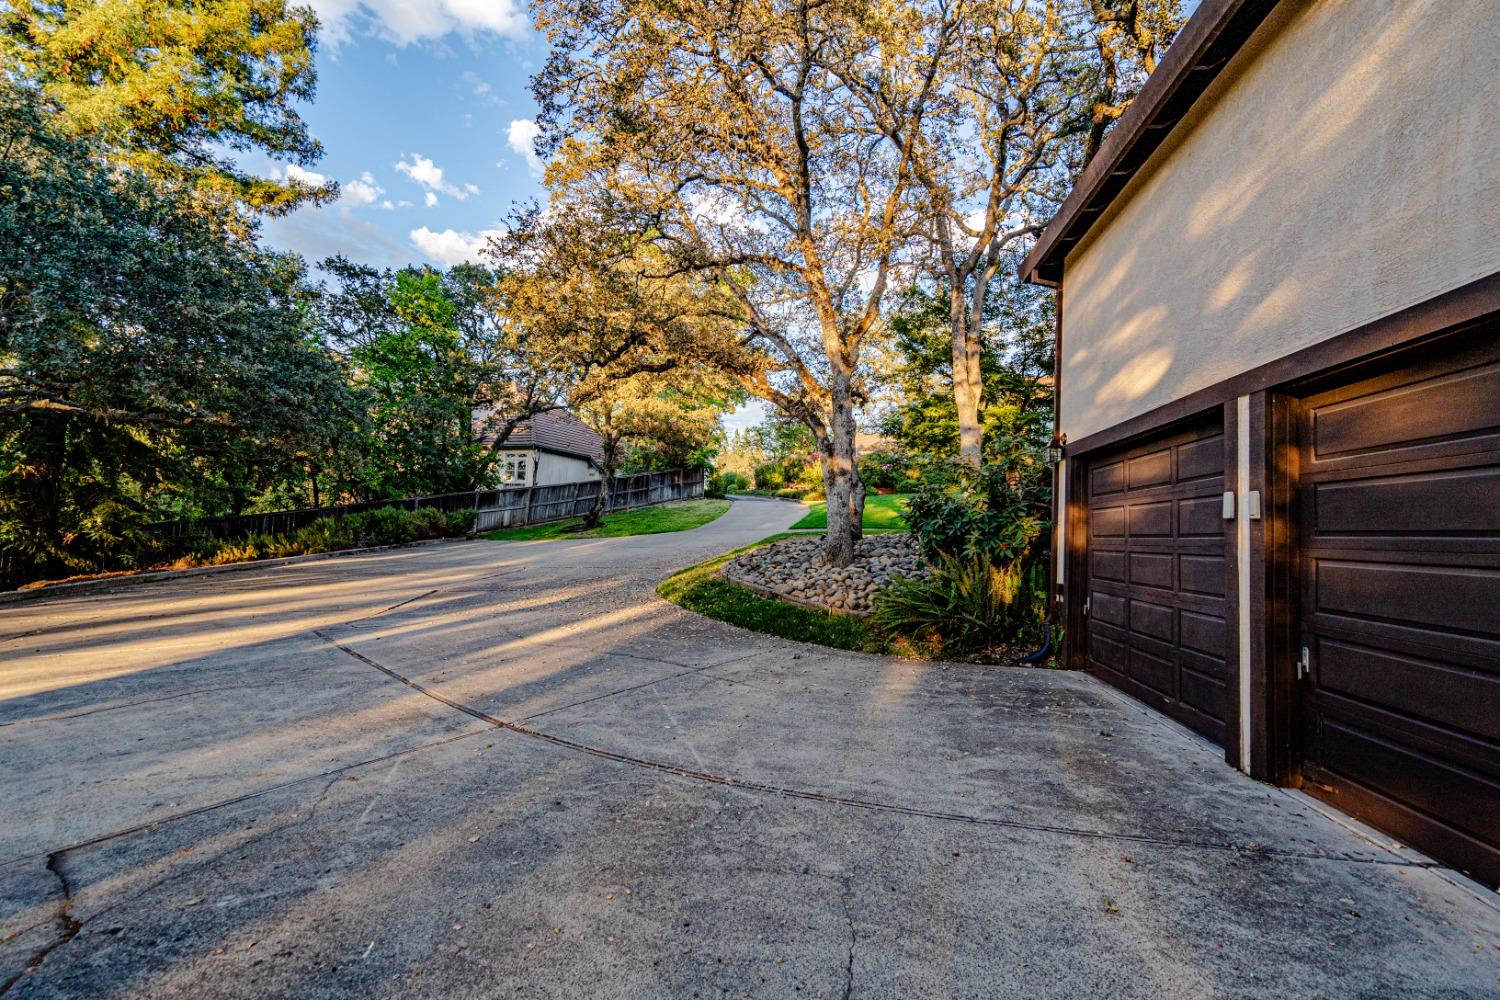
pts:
pixel 482 769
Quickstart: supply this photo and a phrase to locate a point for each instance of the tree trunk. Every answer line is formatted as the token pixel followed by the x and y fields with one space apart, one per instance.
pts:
pixel 592 519
pixel 838 474
pixel 856 501
pixel 968 383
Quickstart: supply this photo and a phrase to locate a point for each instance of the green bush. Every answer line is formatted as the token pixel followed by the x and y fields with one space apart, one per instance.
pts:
pixel 723 483
pixel 427 523
pixel 883 470
pixel 770 476
pixel 460 523
pixel 326 534
pixel 971 604
pixel 383 526
pixel 998 512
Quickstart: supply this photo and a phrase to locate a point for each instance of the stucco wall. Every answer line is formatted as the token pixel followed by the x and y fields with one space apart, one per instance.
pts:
pixel 1344 166
pixel 553 469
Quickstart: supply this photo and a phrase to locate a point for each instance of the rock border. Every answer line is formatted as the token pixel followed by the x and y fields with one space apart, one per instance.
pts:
pixel 777 595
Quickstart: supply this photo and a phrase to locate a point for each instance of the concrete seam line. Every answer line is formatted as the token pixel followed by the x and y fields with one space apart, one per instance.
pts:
pixel 126 579
pixel 236 800
pixel 811 796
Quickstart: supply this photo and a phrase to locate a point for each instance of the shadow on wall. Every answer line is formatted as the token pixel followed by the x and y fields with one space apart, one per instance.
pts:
pixel 1324 190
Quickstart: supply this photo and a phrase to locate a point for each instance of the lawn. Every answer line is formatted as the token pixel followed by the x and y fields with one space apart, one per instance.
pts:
pixel 679 515
pixel 881 513
pixel 702 590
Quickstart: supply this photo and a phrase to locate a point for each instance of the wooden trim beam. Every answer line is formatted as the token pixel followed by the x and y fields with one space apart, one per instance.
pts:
pixel 1192 62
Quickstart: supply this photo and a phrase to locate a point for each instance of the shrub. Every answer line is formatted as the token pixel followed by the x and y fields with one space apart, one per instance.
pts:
pixel 729 482
pixel 460 523
pixel 970 604
pixel 883 470
pixel 997 512
pixel 427 522
pixel 384 526
pixel 326 534
pixel 771 476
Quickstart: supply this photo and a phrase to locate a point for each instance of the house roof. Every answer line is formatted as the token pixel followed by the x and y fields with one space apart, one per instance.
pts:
pixel 1194 60
pixel 558 431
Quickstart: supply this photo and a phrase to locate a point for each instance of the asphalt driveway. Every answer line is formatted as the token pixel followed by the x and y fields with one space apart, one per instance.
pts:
pixel 485 769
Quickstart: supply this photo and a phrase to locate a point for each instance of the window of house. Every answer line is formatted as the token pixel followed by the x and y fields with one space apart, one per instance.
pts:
pixel 513 467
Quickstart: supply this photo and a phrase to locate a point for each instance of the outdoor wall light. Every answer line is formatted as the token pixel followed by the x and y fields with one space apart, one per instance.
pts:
pixel 1055 448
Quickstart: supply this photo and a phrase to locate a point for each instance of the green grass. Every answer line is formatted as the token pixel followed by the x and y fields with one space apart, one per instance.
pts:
pixel 701 589
pixel 679 515
pixel 881 512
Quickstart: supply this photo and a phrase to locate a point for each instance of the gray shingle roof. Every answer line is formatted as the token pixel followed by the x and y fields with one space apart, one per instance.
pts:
pixel 558 431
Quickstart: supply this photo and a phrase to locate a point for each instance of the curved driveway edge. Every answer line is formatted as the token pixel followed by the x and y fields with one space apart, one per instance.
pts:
pixel 509 768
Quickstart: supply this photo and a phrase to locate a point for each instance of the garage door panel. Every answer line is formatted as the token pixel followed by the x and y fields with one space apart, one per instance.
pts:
pixel 1105 565
pixel 1201 516
pixel 1457 796
pixel 1203 633
pixel 1442 407
pixel 1153 621
pixel 1107 522
pixel 1149 470
pixel 1156 673
pixel 1151 569
pixel 1111 609
pixel 1151 519
pixel 1400 595
pixel 1428 503
pixel 1200 459
pixel 1472 652
pixel 1201 574
pixel 1457 698
pixel 1154 513
pixel 1205 692
pixel 1105 479
pixel 1447 597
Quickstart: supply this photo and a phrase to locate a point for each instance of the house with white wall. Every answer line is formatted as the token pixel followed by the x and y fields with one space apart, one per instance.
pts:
pixel 552 447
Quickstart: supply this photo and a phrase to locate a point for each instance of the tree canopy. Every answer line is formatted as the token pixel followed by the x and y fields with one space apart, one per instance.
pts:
pixel 149 362
pixel 175 89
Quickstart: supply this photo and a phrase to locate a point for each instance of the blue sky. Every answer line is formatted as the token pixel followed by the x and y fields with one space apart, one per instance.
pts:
pixel 424 115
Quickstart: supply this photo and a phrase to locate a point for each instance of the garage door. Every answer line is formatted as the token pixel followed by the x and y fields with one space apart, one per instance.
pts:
pixel 1400 581
pixel 1155 617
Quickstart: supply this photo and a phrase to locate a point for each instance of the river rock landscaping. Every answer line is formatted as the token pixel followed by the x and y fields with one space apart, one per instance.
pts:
pixel 794 570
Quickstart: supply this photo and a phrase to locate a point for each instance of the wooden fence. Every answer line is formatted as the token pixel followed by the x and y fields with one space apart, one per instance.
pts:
pixel 504 508
pixel 539 504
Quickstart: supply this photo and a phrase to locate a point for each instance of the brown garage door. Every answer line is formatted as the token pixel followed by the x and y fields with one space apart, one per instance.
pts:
pixel 1156 578
pixel 1400 569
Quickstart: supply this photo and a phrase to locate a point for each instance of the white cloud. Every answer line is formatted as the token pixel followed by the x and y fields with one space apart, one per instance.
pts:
pixel 430 176
pixel 451 247
pixel 363 191
pixel 407 21
pixel 521 138
pixel 429 199
pixel 320 233
pixel 309 177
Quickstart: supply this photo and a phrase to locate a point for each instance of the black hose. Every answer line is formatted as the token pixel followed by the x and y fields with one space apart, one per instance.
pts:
pixel 1040 654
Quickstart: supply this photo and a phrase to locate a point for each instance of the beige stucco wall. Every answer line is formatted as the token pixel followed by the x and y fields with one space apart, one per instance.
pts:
pixel 1344 166
pixel 553 469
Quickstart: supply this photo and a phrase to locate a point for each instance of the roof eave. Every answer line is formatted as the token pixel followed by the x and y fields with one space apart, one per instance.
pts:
pixel 1194 60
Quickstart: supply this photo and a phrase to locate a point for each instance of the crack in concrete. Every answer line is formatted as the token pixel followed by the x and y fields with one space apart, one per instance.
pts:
pixel 247 797
pixel 844 895
pixel 68 926
pixel 662 767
